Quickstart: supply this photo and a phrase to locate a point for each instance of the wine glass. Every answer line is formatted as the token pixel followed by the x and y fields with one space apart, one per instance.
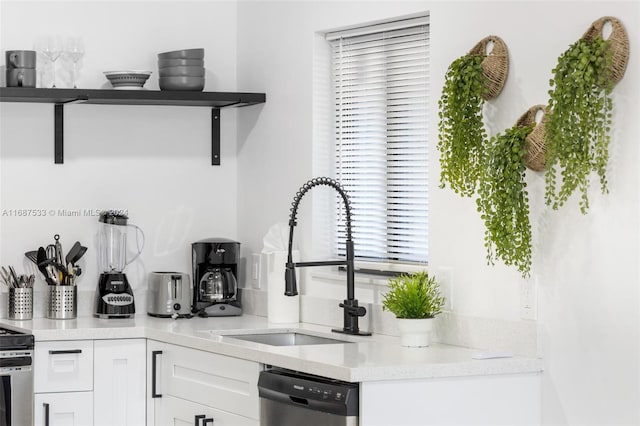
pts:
pixel 74 49
pixel 51 48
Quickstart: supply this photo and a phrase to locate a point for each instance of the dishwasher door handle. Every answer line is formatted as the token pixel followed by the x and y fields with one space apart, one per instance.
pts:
pixel 299 401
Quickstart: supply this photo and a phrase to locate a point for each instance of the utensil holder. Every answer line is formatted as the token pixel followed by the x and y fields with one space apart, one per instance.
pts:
pixel 63 302
pixel 20 304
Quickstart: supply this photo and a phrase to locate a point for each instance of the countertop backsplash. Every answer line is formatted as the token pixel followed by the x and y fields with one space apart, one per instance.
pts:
pixel 520 337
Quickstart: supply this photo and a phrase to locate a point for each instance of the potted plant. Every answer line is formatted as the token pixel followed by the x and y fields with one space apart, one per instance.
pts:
pixel 415 300
pixel 461 133
pixel 579 121
pixel 503 201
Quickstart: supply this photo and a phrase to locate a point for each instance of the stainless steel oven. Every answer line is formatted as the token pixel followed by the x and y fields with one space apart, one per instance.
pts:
pixel 16 378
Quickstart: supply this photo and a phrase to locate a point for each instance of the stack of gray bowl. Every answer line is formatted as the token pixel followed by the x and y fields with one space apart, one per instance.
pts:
pixel 181 70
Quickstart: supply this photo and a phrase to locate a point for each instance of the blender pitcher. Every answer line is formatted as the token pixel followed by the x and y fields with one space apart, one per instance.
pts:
pixel 112 242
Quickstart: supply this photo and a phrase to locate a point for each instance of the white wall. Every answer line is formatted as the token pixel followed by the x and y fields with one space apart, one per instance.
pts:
pixel 154 162
pixel 585 267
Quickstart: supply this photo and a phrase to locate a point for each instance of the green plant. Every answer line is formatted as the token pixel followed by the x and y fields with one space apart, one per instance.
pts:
pixel 461 130
pixel 503 201
pixel 413 296
pixel 579 121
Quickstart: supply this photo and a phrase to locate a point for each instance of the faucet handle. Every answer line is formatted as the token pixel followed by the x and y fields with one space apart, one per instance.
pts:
pixel 353 309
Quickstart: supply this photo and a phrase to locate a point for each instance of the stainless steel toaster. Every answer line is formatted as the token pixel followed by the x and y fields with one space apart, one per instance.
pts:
pixel 169 295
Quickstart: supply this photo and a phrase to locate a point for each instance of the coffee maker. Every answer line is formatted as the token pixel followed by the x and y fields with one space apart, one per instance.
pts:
pixel 215 272
pixel 114 296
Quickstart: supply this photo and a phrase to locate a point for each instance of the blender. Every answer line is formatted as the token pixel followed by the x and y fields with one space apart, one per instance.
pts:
pixel 114 296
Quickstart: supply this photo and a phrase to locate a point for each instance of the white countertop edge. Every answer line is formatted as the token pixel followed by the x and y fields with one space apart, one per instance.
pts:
pixel 449 361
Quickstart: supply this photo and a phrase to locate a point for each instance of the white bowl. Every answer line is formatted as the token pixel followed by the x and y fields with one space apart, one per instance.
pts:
pixel 183 54
pixel 127 79
pixel 181 83
pixel 177 71
pixel 163 63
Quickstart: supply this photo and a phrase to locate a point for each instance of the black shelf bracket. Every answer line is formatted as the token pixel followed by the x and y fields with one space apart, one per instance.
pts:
pixel 215 136
pixel 58 130
pixel 58 139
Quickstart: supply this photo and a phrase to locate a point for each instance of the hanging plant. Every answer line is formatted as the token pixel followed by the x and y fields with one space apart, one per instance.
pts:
pixel 469 81
pixel 578 125
pixel 503 201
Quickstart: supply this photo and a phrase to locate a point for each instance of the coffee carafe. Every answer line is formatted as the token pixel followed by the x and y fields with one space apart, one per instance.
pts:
pixel 114 296
pixel 215 268
pixel 218 285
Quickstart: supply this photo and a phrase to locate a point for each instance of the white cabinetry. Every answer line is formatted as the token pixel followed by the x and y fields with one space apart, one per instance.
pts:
pixel 119 382
pixel 63 383
pixel 187 383
pixel 82 382
pixel 64 366
pixel 63 409
pixel 507 399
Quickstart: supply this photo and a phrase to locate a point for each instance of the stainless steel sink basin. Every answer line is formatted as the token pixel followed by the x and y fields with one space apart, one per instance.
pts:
pixel 289 338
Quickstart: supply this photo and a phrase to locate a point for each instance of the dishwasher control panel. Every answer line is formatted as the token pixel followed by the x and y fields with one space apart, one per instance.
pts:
pixel 292 387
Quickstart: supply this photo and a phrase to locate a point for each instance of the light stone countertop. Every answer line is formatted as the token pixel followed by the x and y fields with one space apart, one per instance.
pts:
pixel 374 358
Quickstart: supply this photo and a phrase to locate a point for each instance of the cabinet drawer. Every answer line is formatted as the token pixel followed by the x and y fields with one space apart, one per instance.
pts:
pixel 64 409
pixel 63 366
pixel 219 381
pixel 176 411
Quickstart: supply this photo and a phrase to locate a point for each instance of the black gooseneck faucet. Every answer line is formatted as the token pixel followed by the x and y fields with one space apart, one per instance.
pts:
pixel 350 305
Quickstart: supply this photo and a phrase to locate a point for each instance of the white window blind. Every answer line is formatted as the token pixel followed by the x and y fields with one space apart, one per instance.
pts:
pixel 380 78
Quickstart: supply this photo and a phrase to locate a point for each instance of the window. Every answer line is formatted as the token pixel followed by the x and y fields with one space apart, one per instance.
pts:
pixel 380 82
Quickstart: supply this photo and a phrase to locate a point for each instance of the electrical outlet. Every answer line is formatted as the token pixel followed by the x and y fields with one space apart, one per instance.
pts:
pixel 528 300
pixel 255 270
pixel 444 275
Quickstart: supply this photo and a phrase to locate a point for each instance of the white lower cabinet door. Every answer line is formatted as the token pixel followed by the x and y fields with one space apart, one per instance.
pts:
pixel 63 409
pixel 119 382
pixel 213 380
pixel 179 412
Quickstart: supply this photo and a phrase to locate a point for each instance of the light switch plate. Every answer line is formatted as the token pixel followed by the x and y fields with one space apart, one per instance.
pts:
pixel 528 299
pixel 255 270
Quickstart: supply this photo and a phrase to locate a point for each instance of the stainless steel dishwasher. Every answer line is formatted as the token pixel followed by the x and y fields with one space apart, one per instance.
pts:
pixel 289 398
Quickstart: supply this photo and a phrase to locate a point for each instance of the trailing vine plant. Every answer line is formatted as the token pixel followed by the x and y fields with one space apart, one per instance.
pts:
pixel 503 201
pixel 461 132
pixel 579 122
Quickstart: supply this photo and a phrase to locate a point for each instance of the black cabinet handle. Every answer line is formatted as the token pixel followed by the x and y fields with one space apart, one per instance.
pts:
pixel 68 351
pixel 154 365
pixel 197 419
pixel 207 421
pixel 46 414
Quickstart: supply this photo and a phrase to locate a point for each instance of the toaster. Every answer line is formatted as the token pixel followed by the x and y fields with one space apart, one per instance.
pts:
pixel 169 295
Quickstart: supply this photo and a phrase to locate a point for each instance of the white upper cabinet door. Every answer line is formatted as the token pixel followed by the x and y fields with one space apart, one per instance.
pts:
pixel 119 388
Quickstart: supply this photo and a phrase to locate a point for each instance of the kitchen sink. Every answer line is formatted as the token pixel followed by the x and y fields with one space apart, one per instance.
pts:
pixel 287 339
pixel 281 337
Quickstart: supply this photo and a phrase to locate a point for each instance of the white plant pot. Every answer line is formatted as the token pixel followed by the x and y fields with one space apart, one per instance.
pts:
pixel 415 332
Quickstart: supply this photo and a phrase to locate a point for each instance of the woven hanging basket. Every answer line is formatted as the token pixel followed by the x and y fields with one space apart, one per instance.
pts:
pixel 619 45
pixel 535 142
pixel 495 65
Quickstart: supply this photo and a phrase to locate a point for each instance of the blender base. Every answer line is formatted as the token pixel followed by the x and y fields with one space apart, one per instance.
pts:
pixel 114 297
